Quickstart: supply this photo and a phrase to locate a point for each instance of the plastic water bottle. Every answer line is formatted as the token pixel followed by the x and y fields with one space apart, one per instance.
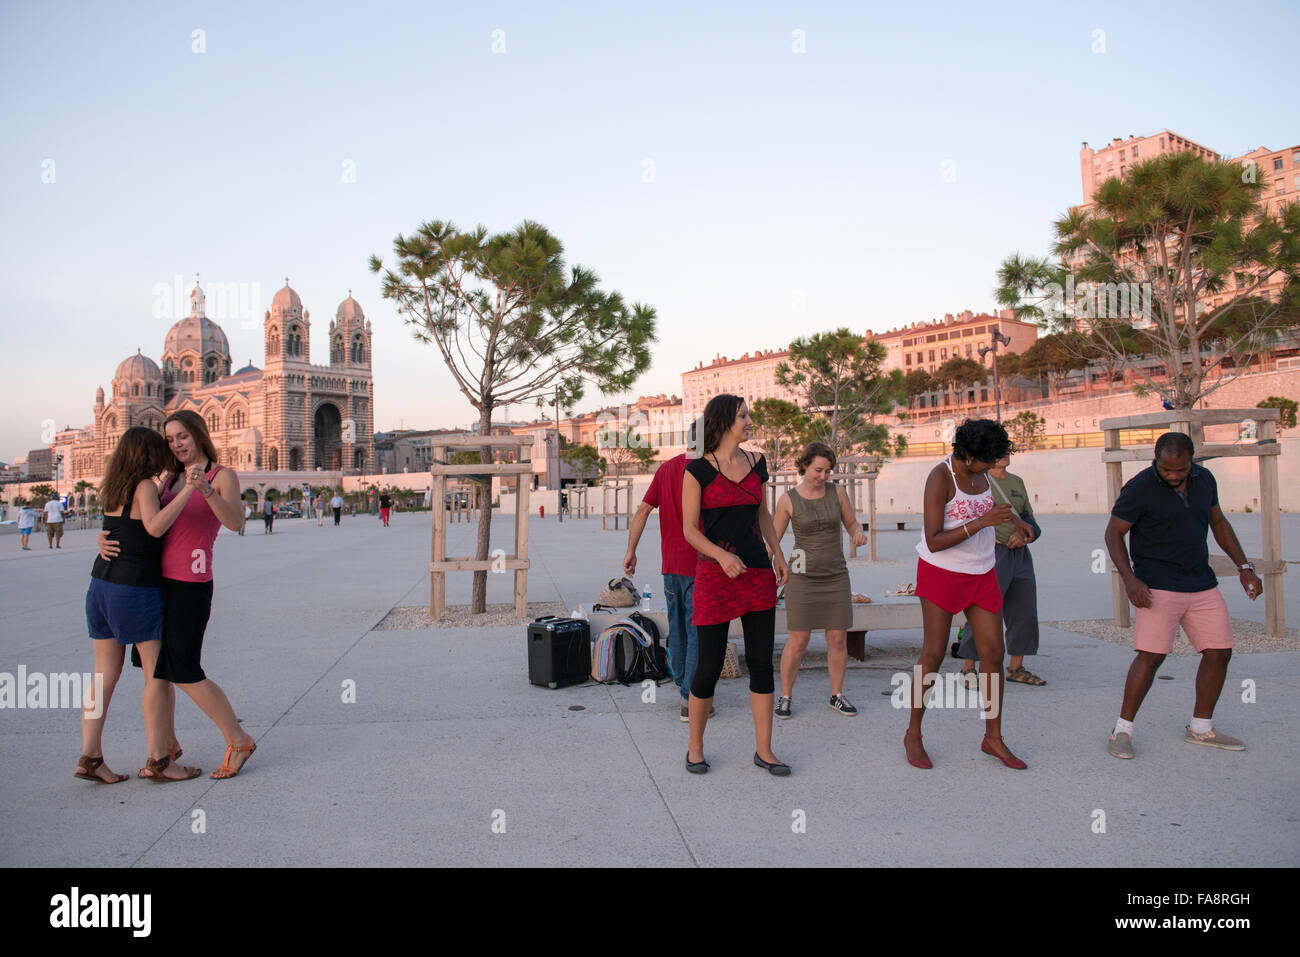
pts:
pixel 645 597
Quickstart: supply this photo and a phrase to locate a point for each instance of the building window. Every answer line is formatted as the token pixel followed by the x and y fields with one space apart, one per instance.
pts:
pixel 1277 164
pixel 1135 151
pixel 968 332
pixel 943 354
pixel 968 350
pixel 980 330
pixel 909 358
pixel 1121 154
pixel 1162 142
pixel 931 355
pixel 1281 188
pixel 1295 158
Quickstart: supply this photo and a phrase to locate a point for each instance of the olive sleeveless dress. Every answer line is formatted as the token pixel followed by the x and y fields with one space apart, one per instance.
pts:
pixel 819 597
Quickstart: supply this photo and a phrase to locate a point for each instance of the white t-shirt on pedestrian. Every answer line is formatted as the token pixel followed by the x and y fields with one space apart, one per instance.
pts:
pixel 53 510
pixel 336 501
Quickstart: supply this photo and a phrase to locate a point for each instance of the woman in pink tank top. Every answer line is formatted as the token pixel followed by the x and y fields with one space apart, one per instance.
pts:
pixel 187 576
pixel 955 573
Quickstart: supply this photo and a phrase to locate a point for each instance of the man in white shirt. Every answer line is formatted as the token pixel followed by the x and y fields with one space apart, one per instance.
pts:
pixel 54 522
pixel 336 503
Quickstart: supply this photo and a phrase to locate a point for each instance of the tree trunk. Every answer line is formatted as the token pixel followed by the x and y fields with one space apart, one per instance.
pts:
pixel 478 598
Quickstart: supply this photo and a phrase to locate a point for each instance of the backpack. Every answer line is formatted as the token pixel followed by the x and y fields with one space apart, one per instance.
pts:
pixel 629 652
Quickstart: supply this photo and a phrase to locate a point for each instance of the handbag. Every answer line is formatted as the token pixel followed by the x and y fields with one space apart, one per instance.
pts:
pixel 619 593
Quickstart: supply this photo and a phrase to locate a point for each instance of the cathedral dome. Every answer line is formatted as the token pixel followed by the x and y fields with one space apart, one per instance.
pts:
pixel 286 302
pixel 349 308
pixel 138 367
pixel 198 333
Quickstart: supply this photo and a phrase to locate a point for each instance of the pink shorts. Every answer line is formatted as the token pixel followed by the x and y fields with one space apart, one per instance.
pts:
pixel 1203 615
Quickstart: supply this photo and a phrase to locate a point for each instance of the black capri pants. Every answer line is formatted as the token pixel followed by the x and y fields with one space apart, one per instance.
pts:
pixel 760 640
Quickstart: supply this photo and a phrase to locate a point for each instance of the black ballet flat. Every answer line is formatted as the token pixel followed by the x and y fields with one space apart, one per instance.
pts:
pixel 696 767
pixel 780 770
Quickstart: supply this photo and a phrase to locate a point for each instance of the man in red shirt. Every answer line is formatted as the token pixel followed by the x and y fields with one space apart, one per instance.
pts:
pixel 665 494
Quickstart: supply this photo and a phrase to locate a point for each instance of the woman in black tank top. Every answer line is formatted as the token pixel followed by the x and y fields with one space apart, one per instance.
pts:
pixel 124 604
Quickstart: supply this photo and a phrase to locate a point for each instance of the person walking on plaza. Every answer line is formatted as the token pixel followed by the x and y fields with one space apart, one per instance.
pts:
pixel 26 521
pixel 268 516
pixel 955 573
pixel 1167 510
pixel 187 577
pixel 336 503
pixel 385 507
pixel 54 521
pixel 677 566
pixel 1015 571
pixel 320 510
pixel 124 604
pixel 247 512
pixel 725 518
pixel 817 596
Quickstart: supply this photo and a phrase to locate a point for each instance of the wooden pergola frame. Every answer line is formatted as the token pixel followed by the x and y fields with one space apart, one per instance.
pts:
pixel 615 487
pixel 1192 422
pixel 575 498
pixel 439 563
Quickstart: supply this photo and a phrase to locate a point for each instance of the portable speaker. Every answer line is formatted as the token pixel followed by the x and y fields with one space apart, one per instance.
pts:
pixel 559 651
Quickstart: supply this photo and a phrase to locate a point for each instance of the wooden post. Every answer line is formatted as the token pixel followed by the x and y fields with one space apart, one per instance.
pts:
pixel 871 514
pixel 438 580
pixel 521 546
pixel 1271 521
pixel 1114 483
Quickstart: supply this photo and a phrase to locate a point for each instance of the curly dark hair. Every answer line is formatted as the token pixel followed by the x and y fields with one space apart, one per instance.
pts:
pixel 981 439
pixel 719 416
pixel 812 451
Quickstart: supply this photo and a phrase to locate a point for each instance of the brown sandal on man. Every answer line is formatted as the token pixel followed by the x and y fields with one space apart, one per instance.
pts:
pixel 229 771
pixel 88 766
pixel 1025 676
pixel 154 768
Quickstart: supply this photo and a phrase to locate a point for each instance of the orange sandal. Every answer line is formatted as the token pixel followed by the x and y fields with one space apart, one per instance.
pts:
pixel 226 770
pixel 87 766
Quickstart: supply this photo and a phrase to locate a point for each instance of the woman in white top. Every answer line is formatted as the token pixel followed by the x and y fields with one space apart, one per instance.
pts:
pixel 955 573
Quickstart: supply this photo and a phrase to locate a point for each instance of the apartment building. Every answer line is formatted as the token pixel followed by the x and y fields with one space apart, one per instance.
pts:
pixel 928 345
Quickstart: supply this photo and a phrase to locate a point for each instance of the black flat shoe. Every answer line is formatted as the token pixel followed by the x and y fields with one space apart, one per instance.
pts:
pixel 780 770
pixel 696 767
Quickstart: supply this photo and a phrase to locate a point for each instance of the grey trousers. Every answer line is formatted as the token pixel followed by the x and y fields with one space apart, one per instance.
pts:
pixel 1015 571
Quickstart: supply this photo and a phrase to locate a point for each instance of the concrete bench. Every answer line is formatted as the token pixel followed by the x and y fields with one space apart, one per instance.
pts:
pixel 894 613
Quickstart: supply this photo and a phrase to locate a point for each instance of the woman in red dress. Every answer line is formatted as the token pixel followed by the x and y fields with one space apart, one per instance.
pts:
pixel 725 518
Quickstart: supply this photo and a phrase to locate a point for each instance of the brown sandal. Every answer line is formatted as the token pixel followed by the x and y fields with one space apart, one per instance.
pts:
pixel 87 766
pixel 1025 676
pixel 154 768
pixel 226 770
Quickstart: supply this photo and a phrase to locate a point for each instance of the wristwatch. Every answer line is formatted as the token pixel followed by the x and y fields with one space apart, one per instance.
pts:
pixel 1248 567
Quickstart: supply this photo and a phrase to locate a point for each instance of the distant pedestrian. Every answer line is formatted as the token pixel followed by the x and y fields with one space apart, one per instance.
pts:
pixel 817 596
pixel 247 512
pixel 26 521
pixel 336 503
pixel 268 516
pixel 320 510
pixel 1167 510
pixel 385 507
pixel 54 522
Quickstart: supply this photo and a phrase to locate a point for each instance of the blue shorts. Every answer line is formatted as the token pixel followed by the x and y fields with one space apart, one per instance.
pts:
pixel 129 613
pixel 25 531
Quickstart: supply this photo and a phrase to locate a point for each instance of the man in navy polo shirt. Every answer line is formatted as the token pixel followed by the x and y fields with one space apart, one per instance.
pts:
pixel 1166 510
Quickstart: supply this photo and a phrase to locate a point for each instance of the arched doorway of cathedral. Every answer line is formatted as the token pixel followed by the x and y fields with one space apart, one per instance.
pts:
pixel 327 436
pixel 295 459
pixel 359 458
pixel 273 460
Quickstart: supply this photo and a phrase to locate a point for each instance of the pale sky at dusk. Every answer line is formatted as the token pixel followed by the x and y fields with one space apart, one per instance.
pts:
pixel 777 175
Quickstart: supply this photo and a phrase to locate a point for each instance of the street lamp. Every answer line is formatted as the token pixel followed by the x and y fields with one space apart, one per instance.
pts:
pixel 997 392
pixel 559 480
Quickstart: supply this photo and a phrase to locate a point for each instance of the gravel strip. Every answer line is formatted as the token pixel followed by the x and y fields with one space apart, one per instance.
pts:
pixel 1248 635
pixel 416 617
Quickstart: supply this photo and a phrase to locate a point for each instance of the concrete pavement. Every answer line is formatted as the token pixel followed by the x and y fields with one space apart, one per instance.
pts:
pixel 448 756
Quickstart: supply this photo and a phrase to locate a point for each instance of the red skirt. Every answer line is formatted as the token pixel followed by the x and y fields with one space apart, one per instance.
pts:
pixel 717 598
pixel 956 591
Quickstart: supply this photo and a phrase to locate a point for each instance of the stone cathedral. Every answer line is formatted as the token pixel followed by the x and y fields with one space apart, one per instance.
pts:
pixel 289 415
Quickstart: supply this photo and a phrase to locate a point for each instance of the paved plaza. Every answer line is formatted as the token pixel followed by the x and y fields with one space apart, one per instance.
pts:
pixel 448 756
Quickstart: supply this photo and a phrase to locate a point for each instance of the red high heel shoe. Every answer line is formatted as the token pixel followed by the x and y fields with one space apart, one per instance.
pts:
pixel 924 763
pixel 1012 761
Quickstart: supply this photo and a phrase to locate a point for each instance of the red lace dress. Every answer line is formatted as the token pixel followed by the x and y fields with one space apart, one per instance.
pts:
pixel 729 519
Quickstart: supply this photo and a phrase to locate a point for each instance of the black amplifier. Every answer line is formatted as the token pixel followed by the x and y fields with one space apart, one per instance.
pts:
pixel 559 651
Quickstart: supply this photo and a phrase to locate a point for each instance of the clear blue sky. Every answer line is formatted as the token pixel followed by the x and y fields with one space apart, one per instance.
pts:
pixel 775 172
